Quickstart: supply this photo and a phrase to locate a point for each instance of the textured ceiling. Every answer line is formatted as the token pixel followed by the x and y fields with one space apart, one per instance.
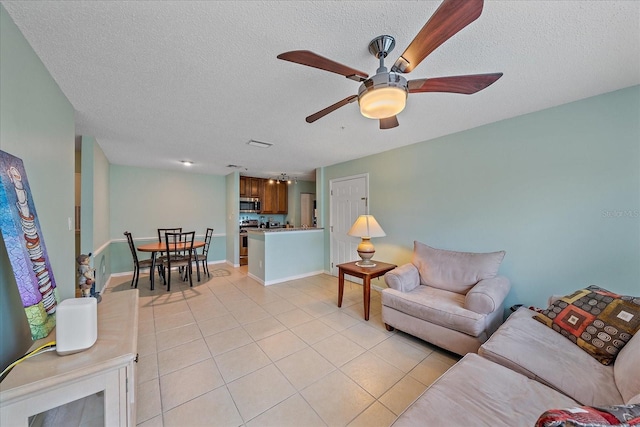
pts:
pixel 156 82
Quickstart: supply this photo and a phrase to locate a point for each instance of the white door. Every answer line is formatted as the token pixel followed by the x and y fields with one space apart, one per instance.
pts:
pixel 348 200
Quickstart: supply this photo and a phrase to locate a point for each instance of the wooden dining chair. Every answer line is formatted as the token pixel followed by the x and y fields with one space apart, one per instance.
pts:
pixel 181 257
pixel 137 263
pixel 197 258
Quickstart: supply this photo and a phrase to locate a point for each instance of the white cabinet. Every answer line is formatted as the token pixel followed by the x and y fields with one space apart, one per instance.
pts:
pixel 47 381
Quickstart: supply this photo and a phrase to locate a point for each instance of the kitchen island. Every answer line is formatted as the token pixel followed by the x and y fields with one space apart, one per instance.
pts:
pixel 281 254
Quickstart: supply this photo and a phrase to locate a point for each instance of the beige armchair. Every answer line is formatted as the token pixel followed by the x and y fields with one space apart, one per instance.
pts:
pixel 451 299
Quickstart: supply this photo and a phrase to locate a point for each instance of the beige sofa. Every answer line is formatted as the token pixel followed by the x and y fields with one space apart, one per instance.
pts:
pixel 523 370
pixel 451 299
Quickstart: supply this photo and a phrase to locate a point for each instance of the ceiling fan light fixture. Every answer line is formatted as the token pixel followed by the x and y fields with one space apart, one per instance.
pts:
pixel 382 96
pixel 382 103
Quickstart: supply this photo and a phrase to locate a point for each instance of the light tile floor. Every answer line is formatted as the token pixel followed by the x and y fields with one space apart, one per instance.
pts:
pixel 231 352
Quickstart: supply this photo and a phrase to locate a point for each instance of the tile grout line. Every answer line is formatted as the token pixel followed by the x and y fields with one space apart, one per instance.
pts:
pixel 317 294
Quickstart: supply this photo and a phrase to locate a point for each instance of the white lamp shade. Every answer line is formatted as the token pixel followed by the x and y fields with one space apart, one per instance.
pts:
pixel 366 226
pixel 383 102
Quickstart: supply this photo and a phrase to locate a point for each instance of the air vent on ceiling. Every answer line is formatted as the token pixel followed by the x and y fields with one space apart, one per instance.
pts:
pixel 260 144
pixel 235 166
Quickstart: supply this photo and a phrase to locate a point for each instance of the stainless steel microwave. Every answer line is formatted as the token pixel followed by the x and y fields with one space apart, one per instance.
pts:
pixel 249 205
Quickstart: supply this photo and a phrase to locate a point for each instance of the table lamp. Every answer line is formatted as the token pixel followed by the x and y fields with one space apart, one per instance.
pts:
pixel 366 227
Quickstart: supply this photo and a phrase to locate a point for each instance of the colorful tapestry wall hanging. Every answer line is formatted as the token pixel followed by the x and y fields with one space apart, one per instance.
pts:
pixel 25 246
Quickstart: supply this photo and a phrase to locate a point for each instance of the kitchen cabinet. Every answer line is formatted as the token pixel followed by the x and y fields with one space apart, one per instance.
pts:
pixel 269 198
pixel 244 181
pixel 251 187
pixel 275 198
pixel 255 187
pixel 282 204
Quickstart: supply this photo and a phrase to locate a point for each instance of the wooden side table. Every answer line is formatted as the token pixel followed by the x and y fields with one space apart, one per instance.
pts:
pixel 366 274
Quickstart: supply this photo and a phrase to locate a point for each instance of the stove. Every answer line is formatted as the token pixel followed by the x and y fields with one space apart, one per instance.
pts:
pixel 248 223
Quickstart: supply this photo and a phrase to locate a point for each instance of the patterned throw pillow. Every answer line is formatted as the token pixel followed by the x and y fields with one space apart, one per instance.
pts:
pixel 598 321
pixel 587 416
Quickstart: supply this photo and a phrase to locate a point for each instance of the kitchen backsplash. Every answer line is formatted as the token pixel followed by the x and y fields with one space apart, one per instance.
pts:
pixel 282 219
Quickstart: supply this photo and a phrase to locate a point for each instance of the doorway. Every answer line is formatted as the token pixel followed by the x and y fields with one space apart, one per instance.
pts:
pixel 349 198
pixel 307 208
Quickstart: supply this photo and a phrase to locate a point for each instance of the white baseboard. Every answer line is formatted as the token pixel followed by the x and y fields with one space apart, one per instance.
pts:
pixel 129 273
pixel 284 279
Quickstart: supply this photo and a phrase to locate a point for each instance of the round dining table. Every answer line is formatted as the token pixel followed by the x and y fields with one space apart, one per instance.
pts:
pixel 156 247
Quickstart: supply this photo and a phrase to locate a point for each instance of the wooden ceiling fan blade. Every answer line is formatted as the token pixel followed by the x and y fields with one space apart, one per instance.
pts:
pixel 389 122
pixel 310 59
pixel 466 85
pixel 451 17
pixel 348 100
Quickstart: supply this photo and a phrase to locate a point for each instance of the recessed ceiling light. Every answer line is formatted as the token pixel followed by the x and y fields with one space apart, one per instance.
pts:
pixel 259 144
pixel 186 162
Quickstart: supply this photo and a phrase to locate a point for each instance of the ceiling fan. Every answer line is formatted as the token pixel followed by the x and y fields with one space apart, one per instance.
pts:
pixel 384 95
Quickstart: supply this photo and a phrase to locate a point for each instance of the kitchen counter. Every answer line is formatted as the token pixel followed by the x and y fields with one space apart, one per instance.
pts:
pixel 276 230
pixel 281 254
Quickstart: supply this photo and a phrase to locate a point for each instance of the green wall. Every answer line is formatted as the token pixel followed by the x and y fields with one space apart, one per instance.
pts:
pixel 232 188
pixel 95 201
pixel 558 189
pixel 36 125
pixel 86 194
pixel 141 200
pixel 144 199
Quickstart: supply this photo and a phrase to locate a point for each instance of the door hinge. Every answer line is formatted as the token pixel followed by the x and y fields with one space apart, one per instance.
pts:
pixel 331 265
pixel 331 228
pixel 332 192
